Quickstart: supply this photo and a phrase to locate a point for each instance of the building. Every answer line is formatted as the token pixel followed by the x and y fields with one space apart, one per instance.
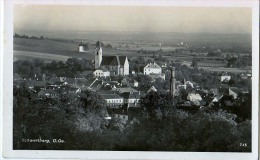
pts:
pixel 194 97
pixel 224 77
pixel 103 72
pixel 131 98
pixel 152 68
pixel 152 89
pixel 113 100
pixel 235 92
pixel 172 82
pixel 48 93
pixel 83 47
pixel 116 65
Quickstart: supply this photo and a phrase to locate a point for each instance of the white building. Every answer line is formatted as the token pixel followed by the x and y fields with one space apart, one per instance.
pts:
pixel 194 97
pixel 152 68
pixel 101 73
pixel 82 47
pixel 224 77
pixel 113 100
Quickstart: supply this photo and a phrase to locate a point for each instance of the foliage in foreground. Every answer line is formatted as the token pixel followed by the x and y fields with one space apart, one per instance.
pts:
pixel 80 122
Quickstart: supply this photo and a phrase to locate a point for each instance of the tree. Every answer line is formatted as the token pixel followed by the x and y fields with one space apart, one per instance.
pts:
pixel 194 63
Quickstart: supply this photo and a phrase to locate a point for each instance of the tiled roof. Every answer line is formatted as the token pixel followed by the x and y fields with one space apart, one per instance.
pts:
pixel 152 65
pixel 124 89
pixel 111 96
pixel 131 95
pixel 113 60
pixel 96 85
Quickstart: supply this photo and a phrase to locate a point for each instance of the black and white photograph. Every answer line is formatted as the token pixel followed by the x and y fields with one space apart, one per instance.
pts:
pixel 133 78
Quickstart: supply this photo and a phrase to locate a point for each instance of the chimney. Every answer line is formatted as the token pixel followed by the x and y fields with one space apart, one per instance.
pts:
pixel 44 77
pixel 172 82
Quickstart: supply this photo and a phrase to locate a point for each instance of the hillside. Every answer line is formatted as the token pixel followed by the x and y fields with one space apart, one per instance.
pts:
pixel 63 47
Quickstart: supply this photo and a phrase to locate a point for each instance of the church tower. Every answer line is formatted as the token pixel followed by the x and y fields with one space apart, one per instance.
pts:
pixel 172 82
pixel 98 55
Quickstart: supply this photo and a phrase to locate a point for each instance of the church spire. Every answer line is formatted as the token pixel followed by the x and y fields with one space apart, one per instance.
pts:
pixel 98 55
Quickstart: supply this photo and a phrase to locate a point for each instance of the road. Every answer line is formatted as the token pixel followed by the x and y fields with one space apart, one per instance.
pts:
pixel 44 56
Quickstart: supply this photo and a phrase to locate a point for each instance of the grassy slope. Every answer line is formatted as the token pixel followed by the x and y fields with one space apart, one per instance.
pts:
pixel 67 48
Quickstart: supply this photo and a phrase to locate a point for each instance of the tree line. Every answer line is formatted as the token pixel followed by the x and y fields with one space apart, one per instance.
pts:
pixel 80 122
pixel 29 37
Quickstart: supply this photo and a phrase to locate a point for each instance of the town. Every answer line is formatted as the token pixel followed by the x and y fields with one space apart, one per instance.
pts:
pixel 132 78
pixel 120 87
pixel 125 90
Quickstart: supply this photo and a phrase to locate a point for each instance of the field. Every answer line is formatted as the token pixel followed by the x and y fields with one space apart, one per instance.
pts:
pixel 62 49
pixel 44 56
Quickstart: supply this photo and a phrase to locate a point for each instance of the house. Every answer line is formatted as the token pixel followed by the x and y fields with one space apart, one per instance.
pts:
pixel 124 82
pixel 234 92
pixel 36 85
pixel 48 93
pixel 112 100
pixel 226 100
pixel 83 47
pixel 194 97
pixel 97 84
pixel 116 65
pixel 101 72
pixel 152 68
pixel 131 98
pixel 152 89
pixel 123 117
pixel 185 84
pixel 129 82
pixel 133 83
pixel 224 77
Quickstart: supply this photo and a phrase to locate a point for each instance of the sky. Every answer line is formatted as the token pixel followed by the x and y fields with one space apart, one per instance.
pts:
pixel 133 18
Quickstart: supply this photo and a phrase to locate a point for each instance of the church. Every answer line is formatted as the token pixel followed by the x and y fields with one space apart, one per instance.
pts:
pixel 116 65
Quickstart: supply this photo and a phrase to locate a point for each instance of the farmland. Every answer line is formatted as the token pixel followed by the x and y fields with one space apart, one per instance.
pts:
pixel 167 47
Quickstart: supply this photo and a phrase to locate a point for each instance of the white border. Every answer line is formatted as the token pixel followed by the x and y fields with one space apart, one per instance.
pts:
pixel 8 91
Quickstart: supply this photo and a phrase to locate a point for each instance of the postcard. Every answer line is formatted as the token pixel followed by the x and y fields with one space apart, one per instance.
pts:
pixel 131 80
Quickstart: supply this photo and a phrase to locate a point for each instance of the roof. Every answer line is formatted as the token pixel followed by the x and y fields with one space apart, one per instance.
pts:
pixel 152 89
pixel 111 96
pixel 96 85
pixel 70 80
pixel 131 95
pixel 124 89
pixel 113 60
pixel 239 90
pixel 50 91
pixel 36 83
pixel 152 65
